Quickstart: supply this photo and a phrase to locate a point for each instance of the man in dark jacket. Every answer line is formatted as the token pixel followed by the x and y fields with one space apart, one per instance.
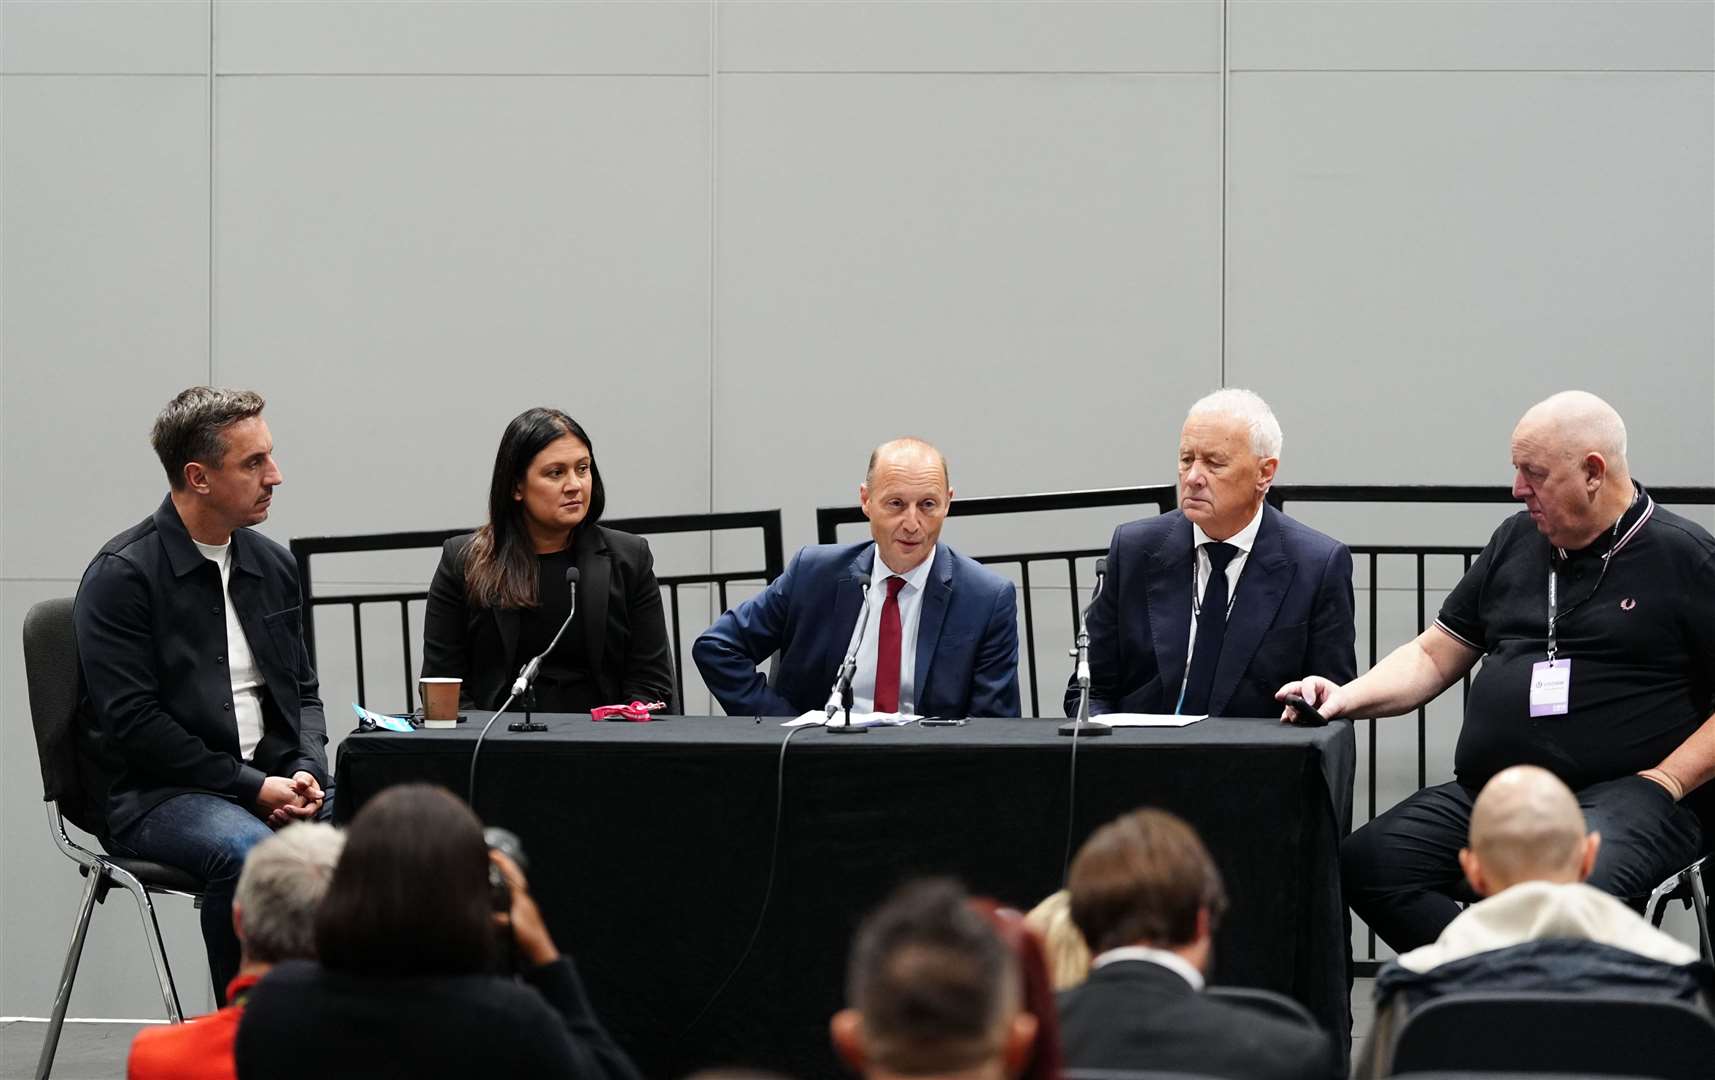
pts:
pixel 201 700
pixel 1147 897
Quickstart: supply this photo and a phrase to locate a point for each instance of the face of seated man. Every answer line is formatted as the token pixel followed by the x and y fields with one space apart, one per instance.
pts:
pixel 905 496
pixel 1526 826
pixel 238 491
pixel 1569 467
pixel 1221 479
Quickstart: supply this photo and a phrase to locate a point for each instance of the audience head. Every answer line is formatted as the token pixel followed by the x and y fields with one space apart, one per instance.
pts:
pixel 280 890
pixel 1526 826
pixel 544 485
pixel 218 455
pixel 411 894
pixel 1146 879
pixel 932 991
pixel 1067 954
pixel 1569 467
pixel 1229 450
pixel 905 495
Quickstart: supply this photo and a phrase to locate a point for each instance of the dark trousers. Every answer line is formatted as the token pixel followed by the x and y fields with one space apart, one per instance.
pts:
pixel 1401 871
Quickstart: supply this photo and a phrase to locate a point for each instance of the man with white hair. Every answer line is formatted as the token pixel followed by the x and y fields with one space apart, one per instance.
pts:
pixel 1207 609
pixel 274 914
pixel 1594 615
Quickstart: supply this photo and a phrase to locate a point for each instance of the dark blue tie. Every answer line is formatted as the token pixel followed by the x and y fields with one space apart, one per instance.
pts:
pixel 1211 631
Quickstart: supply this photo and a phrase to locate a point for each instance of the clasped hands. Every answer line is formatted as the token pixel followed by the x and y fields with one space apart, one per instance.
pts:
pixel 283 800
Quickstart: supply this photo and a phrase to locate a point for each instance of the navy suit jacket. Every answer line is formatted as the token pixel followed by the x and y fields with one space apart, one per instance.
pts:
pixel 967 637
pixel 1291 617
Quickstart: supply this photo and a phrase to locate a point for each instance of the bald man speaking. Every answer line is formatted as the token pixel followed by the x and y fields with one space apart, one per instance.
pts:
pixel 1594 615
pixel 942 635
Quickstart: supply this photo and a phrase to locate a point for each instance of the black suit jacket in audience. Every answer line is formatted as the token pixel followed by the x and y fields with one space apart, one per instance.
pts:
pixel 619 608
pixel 302 1022
pixel 1133 1014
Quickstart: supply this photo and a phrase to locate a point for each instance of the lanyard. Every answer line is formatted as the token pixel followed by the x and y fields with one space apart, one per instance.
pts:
pixel 1197 584
pixel 1607 557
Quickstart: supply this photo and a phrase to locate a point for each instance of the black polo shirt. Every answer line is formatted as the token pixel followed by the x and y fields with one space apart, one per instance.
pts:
pixel 1642 646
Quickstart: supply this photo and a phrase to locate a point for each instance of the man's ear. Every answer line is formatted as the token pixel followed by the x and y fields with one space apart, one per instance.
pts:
pixel 1266 472
pixel 1595 468
pixel 863 498
pixel 1592 844
pixel 237 921
pixel 1020 1044
pixel 196 477
pixel 846 1031
pixel 1205 924
pixel 1473 868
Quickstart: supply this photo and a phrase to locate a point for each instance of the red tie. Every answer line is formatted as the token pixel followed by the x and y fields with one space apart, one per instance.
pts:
pixel 887 653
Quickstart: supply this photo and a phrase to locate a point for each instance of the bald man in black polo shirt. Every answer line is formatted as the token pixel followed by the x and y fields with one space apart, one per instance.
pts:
pixel 1594 615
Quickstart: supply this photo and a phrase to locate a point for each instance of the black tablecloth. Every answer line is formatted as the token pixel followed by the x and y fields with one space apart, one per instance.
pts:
pixel 649 847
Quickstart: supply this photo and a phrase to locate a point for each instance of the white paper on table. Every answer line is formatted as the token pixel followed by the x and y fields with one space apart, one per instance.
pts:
pixel 859 719
pixel 1138 719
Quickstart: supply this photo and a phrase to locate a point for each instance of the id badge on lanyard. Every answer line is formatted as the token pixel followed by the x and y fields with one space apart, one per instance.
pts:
pixel 1551 679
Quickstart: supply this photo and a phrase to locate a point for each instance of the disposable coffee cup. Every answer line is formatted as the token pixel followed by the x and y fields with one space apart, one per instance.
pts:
pixel 440 701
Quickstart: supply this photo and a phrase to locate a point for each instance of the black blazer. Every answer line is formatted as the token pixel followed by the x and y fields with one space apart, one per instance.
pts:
pixel 452 1026
pixel 151 641
pixel 1137 1015
pixel 619 605
pixel 1292 616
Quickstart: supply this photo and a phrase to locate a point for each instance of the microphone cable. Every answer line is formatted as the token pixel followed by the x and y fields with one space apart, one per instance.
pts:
pixel 768 890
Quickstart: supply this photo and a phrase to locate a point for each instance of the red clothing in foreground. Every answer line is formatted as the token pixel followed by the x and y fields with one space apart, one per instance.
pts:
pixel 199 1049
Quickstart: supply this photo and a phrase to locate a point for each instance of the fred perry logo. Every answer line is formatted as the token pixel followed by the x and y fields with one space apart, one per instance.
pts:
pixel 1628 604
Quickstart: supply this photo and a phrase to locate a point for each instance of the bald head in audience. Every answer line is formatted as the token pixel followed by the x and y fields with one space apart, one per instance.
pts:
pixel 1569 467
pixel 1526 826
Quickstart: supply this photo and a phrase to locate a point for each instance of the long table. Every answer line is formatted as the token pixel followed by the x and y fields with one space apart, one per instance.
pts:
pixel 651 846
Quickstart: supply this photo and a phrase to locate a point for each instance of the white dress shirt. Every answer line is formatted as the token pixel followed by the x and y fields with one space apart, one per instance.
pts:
pixel 910 613
pixel 240 663
pixel 1171 961
pixel 1244 540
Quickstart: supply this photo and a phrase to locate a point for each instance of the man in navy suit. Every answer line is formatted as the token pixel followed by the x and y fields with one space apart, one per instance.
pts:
pixel 942 636
pixel 1205 609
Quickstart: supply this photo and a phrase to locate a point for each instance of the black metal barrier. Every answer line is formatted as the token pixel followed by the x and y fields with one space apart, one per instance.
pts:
pixel 1164 498
pixel 303 548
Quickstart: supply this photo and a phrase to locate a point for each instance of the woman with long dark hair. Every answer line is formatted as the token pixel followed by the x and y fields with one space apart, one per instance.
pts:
pixel 500 593
pixel 408 935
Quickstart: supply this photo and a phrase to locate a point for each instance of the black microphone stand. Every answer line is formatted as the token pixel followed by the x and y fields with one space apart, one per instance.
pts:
pixel 847 672
pixel 522 687
pixel 1083 725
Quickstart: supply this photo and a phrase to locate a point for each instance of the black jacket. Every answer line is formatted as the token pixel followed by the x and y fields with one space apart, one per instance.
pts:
pixel 303 1021
pixel 619 606
pixel 157 694
pixel 1137 1015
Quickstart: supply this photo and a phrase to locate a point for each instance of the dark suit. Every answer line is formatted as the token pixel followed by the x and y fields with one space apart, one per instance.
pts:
pixel 1291 617
pixel 1138 1015
pixel 619 608
pixel 967 637
pixel 151 639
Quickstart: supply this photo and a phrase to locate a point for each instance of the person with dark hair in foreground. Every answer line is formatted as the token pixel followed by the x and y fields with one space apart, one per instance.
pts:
pixel 500 593
pixel 932 991
pixel 1147 898
pixel 274 915
pixel 406 986
pixel 201 706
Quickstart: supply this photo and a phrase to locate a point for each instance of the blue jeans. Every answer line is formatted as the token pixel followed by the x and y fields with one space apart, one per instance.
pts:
pixel 208 836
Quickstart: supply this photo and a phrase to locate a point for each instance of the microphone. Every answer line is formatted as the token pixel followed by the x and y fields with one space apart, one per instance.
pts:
pixel 1083 725
pixel 521 686
pixel 842 688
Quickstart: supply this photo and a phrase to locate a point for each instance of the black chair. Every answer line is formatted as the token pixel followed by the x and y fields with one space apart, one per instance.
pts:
pixel 1129 1074
pixel 51 668
pixel 1267 1002
pixel 1686 886
pixel 1581 1034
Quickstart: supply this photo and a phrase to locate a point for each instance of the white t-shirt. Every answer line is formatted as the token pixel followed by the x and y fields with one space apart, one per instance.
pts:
pixel 240 663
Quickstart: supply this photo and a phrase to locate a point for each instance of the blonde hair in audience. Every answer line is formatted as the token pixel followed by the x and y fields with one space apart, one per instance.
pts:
pixel 1068 954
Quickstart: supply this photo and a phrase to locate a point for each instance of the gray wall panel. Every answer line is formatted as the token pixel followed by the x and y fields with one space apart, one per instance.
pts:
pixel 104 37
pixel 930 35
pixel 1027 265
pixel 479 37
pixel 1471 35
pixel 104 212
pixel 1413 259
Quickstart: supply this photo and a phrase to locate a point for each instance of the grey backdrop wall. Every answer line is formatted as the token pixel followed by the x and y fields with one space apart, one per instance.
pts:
pixel 745 241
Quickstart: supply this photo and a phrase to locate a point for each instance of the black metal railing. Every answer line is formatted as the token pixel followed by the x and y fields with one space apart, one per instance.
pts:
pixel 305 547
pixel 1163 497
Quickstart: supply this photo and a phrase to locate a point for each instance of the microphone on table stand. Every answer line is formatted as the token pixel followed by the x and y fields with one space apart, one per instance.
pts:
pixel 522 687
pixel 1083 725
pixel 848 671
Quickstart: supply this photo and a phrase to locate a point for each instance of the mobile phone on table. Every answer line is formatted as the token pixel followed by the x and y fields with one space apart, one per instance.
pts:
pixel 943 721
pixel 1307 714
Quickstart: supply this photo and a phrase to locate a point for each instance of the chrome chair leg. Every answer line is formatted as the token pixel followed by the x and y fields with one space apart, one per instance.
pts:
pixel 1700 905
pixel 85 908
pixel 157 947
